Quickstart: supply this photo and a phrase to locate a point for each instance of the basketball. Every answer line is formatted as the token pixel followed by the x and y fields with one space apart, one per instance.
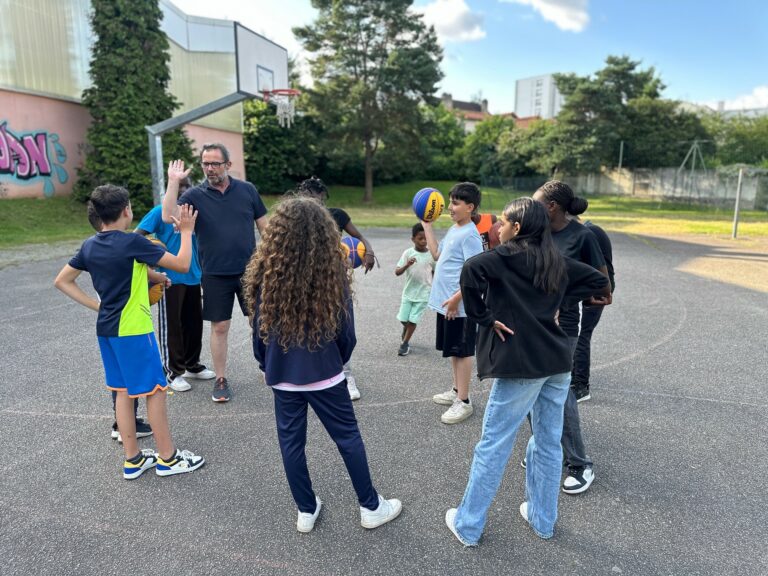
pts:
pixel 354 249
pixel 156 291
pixel 428 204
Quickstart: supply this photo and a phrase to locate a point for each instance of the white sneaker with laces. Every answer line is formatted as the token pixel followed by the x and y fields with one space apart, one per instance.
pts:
pixel 181 462
pixel 306 521
pixel 204 374
pixel 445 398
pixel 388 510
pixel 354 393
pixel 458 412
pixel 180 385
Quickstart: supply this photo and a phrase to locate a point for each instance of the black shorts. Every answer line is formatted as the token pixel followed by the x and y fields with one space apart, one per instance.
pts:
pixel 219 295
pixel 455 337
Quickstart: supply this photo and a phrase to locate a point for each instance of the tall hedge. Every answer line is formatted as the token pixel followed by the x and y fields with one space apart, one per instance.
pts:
pixel 130 76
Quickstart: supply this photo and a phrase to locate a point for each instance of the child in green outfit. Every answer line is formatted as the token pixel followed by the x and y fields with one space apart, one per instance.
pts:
pixel 418 266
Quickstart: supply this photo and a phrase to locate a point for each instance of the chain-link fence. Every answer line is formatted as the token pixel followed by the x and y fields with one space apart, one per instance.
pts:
pixel 711 187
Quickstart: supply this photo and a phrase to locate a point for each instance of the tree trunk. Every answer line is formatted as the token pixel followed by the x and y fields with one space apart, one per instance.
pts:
pixel 368 196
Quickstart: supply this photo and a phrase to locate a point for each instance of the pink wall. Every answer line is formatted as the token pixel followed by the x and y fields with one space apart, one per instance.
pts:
pixel 42 143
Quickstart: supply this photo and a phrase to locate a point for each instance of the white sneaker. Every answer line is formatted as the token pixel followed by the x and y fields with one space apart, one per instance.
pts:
pixel 388 510
pixel 458 412
pixel 445 398
pixel 204 374
pixel 578 481
pixel 306 521
pixel 524 511
pixel 450 521
pixel 181 462
pixel 354 393
pixel 180 385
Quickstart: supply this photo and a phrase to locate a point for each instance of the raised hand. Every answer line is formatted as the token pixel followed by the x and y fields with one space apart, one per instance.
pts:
pixel 186 220
pixel 176 170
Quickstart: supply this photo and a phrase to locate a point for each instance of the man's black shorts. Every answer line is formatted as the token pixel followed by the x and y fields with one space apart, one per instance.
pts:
pixel 455 337
pixel 219 295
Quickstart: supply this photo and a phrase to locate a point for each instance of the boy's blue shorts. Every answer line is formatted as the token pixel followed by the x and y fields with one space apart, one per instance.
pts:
pixel 132 363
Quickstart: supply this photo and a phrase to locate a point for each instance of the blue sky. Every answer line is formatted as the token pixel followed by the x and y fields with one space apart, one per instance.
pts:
pixel 704 51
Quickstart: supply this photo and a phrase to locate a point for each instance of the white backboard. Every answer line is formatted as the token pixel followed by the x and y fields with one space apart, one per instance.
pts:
pixel 261 64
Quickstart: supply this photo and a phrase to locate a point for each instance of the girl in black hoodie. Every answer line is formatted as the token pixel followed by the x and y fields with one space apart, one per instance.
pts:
pixel 513 293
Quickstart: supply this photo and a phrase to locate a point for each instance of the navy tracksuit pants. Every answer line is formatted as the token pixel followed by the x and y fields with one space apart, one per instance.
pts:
pixel 334 409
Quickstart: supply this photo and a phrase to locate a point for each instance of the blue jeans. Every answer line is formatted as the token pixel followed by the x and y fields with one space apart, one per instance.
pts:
pixel 508 404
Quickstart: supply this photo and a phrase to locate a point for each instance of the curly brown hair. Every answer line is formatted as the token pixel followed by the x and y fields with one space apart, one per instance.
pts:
pixel 298 276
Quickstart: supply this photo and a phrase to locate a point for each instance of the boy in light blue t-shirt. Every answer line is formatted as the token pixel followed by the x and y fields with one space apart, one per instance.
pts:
pixel 455 334
pixel 418 266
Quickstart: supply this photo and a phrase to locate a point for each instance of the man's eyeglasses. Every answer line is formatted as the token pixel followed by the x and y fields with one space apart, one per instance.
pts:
pixel 212 164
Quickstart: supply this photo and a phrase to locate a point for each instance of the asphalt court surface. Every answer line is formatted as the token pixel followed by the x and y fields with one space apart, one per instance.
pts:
pixel 677 427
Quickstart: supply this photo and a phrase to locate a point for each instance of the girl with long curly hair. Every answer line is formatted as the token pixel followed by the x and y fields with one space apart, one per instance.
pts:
pixel 298 294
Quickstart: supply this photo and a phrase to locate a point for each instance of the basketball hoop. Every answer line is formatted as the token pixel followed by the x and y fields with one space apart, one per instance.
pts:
pixel 285 102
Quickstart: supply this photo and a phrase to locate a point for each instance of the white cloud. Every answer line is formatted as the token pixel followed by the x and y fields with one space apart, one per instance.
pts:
pixel 570 15
pixel 758 98
pixel 453 20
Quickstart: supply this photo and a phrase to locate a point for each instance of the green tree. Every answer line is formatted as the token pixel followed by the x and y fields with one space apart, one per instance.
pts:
pixel 739 140
pixel 594 117
pixel 373 62
pixel 130 75
pixel 480 151
pixel 442 141
pixel 276 157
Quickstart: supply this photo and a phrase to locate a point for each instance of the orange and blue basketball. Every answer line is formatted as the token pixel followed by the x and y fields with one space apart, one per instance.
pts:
pixel 354 249
pixel 428 204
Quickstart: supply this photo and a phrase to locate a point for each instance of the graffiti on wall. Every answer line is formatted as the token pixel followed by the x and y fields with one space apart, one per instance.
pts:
pixel 30 157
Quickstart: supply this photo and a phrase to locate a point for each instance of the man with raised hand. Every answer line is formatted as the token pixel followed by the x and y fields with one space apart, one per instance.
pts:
pixel 227 209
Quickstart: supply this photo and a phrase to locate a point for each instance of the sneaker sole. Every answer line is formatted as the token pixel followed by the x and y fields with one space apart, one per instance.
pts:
pixel 404 353
pixel 442 402
pixel 457 420
pixel 139 472
pixel 197 376
pixel 584 398
pixel 371 526
pixel 308 529
pixel 179 388
pixel 220 400
pixel 579 489
pixel 174 471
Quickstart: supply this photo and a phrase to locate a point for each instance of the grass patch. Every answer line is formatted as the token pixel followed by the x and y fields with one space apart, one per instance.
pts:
pixel 40 220
pixel 28 220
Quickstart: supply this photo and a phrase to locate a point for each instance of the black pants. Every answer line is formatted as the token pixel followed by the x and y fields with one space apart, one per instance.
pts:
pixel 590 316
pixel 180 329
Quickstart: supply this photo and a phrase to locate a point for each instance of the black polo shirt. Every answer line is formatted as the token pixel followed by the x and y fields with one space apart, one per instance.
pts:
pixel 225 225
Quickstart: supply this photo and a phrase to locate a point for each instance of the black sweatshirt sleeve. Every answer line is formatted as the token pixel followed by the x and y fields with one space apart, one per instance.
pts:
pixel 583 281
pixel 474 286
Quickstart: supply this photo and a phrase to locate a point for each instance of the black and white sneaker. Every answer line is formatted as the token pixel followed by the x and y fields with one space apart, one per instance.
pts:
pixel 404 349
pixel 578 480
pixel 581 393
pixel 142 430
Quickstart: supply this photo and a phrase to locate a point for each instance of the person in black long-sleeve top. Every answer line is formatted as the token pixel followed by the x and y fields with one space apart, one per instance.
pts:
pixel 574 241
pixel 300 302
pixel 590 316
pixel 513 293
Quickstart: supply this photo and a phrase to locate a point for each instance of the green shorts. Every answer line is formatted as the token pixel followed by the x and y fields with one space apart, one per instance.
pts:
pixel 411 311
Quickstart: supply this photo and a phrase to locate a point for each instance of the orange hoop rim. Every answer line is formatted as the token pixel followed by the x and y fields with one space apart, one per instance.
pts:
pixel 290 92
